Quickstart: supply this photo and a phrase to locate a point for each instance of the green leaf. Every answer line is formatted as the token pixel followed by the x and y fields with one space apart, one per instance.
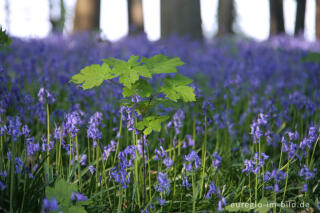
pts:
pixel 4 38
pixel 162 64
pixel 92 76
pixel 140 87
pixel 151 123
pixel 263 206
pixel 128 72
pixel 62 191
pixel 176 88
pixel 312 57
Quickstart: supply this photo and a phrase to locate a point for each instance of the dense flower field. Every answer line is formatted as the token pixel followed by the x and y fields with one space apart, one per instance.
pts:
pixel 251 136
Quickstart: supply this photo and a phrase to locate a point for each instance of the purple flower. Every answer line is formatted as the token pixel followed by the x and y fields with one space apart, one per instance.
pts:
pixel 178 117
pixel 221 204
pixel 2 186
pixel 185 182
pixel 25 130
pixel 108 149
pixel 71 123
pixel 212 190
pixel 49 205
pixel 161 201
pixel 76 196
pixel 91 169
pixel 168 162
pixel 32 147
pixel 93 130
pixel 192 158
pixel 190 140
pixel 217 160
pixel 14 127
pixel 307 173
pixel 120 176
pixel 163 183
pixel 44 95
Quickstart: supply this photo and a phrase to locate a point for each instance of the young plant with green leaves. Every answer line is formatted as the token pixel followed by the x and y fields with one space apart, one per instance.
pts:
pixel 139 93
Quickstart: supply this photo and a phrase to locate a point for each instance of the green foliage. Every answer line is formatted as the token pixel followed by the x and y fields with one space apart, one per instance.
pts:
pixel 312 57
pixel 150 123
pixel 62 191
pixel 134 76
pixel 176 88
pixel 92 76
pixel 4 38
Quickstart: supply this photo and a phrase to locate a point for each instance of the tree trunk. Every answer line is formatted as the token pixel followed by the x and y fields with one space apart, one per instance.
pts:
pixel 181 17
pixel 276 17
pixel 135 16
pixel 226 14
pixel 87 15
pixel 300 17
pixel 57 20
pixel 318 19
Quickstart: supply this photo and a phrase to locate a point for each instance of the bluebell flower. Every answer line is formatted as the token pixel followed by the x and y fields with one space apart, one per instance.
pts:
pixel 93 130
pixel 163 183
pixel 167 162
pixel 212 190
pixel 190 140
pixel 14 127
pixel 161 201
pixel 49 205
pixel 108 149
pixel 192 159
pixel 178 118
pixel 185 182
pixel 217 160
pixel 91 169
pixel 221 204
pixel 44 95
pixel 32 147
pixel 307 173
pixel 76 196
pixel 72 122
pixel 25 130
pixel 120 176
pixel 2 186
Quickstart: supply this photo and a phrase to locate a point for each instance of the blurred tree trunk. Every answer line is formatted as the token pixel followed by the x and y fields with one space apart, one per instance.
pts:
pixel 318 19
pixel 57 20
pixel 226 14
pixel 300 17
pixel 135 16
pixel 7 18
pixel 181 17
pixel 276 17
pixel 87 15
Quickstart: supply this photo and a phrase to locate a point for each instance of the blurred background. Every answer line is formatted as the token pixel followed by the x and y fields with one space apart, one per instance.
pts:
pixel 114 19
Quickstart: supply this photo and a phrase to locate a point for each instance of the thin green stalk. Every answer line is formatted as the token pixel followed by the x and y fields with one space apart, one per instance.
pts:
pixel 24 194
pixel 120 200
pixel 79 165
pixel 12 177
pixel 285 186
pixel 70 158
pixel 204 152
pixel 314 149
pixel 48 135
pixel 193 194
pixel 136 169
pixel 250 187
pixel 256 183
pixel 149 174
pixel 118 144
pixel 143 173
pixel 89 152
